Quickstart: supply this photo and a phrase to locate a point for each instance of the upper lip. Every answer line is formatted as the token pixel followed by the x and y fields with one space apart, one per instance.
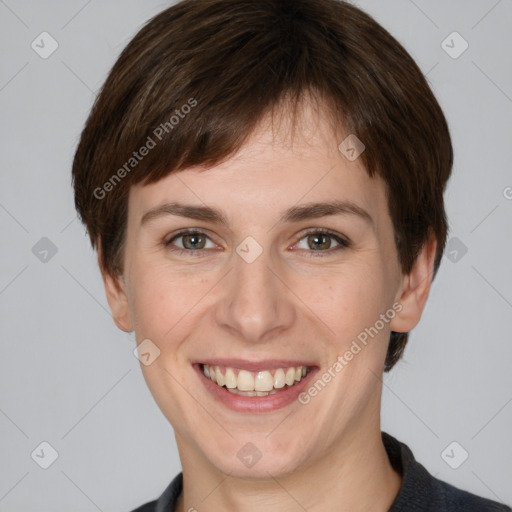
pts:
pixel 263 364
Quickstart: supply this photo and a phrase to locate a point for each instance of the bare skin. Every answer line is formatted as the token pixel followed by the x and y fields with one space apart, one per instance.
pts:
pixel 292 301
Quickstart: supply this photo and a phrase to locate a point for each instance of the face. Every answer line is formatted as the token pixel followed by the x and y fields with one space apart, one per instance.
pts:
pixel 277 286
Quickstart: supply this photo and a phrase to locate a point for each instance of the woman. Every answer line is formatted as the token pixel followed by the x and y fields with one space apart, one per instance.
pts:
pixel 264 184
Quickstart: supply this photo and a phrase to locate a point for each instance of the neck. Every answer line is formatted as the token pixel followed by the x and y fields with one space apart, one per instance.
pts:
pixel 354 475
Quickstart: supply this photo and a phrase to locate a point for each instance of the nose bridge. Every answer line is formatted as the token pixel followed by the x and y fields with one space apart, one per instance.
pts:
pixel 254 302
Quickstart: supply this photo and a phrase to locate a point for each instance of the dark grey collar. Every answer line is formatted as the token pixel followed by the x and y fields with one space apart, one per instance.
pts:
pixel 419 492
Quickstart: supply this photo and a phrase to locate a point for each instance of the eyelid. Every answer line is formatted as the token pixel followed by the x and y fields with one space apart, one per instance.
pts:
pixel 188 231
pixel 343 241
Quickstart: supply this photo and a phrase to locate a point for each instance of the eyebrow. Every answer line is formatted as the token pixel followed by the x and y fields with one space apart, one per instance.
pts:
pixel 293 214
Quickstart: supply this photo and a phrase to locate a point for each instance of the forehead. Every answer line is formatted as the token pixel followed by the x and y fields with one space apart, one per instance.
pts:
pixel 280 165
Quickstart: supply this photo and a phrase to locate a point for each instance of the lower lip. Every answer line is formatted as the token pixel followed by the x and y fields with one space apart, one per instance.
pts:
pixel 254 403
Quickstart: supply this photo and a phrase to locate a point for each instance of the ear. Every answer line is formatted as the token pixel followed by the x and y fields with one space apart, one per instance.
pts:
pixel 413 293
pixel 117 297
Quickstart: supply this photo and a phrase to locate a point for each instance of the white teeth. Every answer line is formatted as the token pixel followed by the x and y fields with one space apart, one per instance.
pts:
pixel 290 376
pixel 263 381
pixel 245 381
pixel 219 377
pixel 252 393
pixel 279 379
pixel 260 383
pixel 230 378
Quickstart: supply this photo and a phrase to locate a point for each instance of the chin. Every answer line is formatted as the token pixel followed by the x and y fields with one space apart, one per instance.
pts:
pixel 258 456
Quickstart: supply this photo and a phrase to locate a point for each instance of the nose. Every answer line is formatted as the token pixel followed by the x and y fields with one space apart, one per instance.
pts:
pixel 255 304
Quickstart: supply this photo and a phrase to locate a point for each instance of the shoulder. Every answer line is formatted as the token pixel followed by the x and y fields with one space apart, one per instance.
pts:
pixel 422 492
pixel 167 500
pixel 457 499
pixel 147 507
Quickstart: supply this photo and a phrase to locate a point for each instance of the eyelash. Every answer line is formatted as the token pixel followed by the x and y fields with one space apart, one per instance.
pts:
pixel 343 243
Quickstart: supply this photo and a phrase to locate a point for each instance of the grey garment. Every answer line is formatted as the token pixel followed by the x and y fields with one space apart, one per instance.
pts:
pixel 419 492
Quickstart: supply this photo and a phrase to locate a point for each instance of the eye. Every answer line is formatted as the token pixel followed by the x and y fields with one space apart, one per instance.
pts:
pixel 320 241
pixel 191 241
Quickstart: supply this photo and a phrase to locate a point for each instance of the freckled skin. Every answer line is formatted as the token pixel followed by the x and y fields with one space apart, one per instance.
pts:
pixel 283 305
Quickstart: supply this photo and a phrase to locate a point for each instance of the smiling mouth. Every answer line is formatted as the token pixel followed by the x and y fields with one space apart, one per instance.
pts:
pixel 255 383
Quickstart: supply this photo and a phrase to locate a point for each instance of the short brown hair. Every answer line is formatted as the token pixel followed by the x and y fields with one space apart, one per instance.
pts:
pixel 231 62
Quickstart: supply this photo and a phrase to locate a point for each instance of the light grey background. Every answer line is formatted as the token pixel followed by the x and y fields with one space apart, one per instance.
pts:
pixel 68 375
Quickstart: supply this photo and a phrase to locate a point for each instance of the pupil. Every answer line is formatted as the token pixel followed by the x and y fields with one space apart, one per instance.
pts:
pixel 316 238
pixel 193 239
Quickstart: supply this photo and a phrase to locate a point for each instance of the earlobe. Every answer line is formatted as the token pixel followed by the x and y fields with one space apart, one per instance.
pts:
pixel 415 288
pixel 117 298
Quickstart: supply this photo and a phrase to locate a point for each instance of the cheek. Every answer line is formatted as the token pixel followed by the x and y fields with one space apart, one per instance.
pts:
pixel 166 305
pixel 347 302
pixel 161 298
